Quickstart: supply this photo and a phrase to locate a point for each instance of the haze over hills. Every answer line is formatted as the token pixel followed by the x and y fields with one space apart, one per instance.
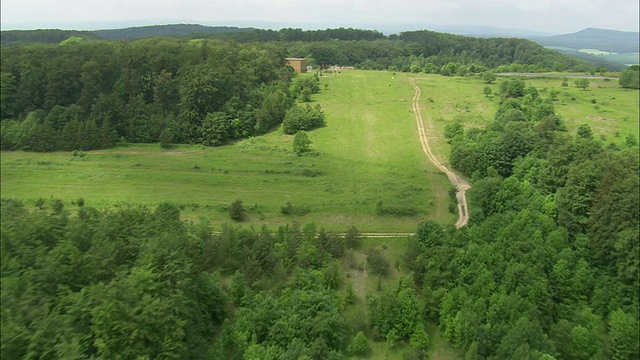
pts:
pixel 601 39
pixel 607 40
pixel 607 47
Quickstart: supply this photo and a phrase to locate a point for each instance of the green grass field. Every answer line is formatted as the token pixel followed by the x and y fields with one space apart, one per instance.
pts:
pixel 369 152
pixel 611 111
pixel 596 52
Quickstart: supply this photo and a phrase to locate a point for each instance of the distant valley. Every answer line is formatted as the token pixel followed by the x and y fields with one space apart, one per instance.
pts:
pixel 597 44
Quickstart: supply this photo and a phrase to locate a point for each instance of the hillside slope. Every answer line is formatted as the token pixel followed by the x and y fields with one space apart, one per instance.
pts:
pixel 171 30
pixel 601 39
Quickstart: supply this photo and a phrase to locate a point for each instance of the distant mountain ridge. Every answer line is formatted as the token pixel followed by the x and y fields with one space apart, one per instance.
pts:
pixel 54 36
pixel 592 38
pixel 171 30
pixel 44 36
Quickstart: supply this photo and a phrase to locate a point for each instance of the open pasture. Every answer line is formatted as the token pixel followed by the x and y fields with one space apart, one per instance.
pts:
pixel 368 166
pixel 611 111
pixel 368 158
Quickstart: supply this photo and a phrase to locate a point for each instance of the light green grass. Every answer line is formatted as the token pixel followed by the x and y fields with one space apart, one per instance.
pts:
pixel 368 152
pixel 596 52
pixel 448 99
pixel 612 117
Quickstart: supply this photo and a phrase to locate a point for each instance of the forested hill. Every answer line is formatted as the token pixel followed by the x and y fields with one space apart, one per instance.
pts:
pixel 173 30
pixel 192 31
pixel 605 40
pixel 46 36
pixel 55 36
pixel 430 51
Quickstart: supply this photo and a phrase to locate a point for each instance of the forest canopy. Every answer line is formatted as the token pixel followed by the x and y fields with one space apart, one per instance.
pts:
pixel 87 95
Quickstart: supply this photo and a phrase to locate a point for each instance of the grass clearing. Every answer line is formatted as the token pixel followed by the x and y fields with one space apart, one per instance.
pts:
pixel 611 111
pixel 369 153
pixel 596 52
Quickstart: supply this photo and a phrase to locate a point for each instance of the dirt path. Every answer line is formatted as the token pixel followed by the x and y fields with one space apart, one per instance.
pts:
pixel 457 181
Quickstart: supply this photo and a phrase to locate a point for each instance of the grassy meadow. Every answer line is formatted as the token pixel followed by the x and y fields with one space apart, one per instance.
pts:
pixel 611 111
pixel 369 153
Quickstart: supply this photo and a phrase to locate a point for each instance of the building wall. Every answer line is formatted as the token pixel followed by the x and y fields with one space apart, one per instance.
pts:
pixel 299 65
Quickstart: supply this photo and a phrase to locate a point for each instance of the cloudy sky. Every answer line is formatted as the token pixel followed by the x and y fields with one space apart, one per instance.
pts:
pixel 557 16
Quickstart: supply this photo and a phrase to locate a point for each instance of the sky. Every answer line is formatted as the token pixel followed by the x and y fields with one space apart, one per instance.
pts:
pixel 552 16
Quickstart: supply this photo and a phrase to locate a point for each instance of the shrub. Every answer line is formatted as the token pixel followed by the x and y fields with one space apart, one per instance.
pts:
pixel 298 210
pixel 452 130
pixel 303 87
pixel 57 206
pixel 359 345
pixel 488 77
pixel 382 210
pixel 630 78
pixel 377 262
pixel 302 118
pixel 352 238
pixel 301 143
pixel 237 211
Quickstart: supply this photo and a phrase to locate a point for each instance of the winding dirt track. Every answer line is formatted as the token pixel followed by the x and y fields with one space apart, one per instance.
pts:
pixel 458 182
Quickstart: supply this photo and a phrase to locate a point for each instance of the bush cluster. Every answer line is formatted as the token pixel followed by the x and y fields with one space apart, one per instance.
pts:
pixel 302 118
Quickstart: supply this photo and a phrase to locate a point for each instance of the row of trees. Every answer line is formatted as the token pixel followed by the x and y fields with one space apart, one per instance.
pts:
pixel 548 266
pixel 430 51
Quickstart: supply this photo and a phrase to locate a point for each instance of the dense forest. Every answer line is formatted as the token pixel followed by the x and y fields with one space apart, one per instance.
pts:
pixel 140 283
pixel 549 263
pixel 88 95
